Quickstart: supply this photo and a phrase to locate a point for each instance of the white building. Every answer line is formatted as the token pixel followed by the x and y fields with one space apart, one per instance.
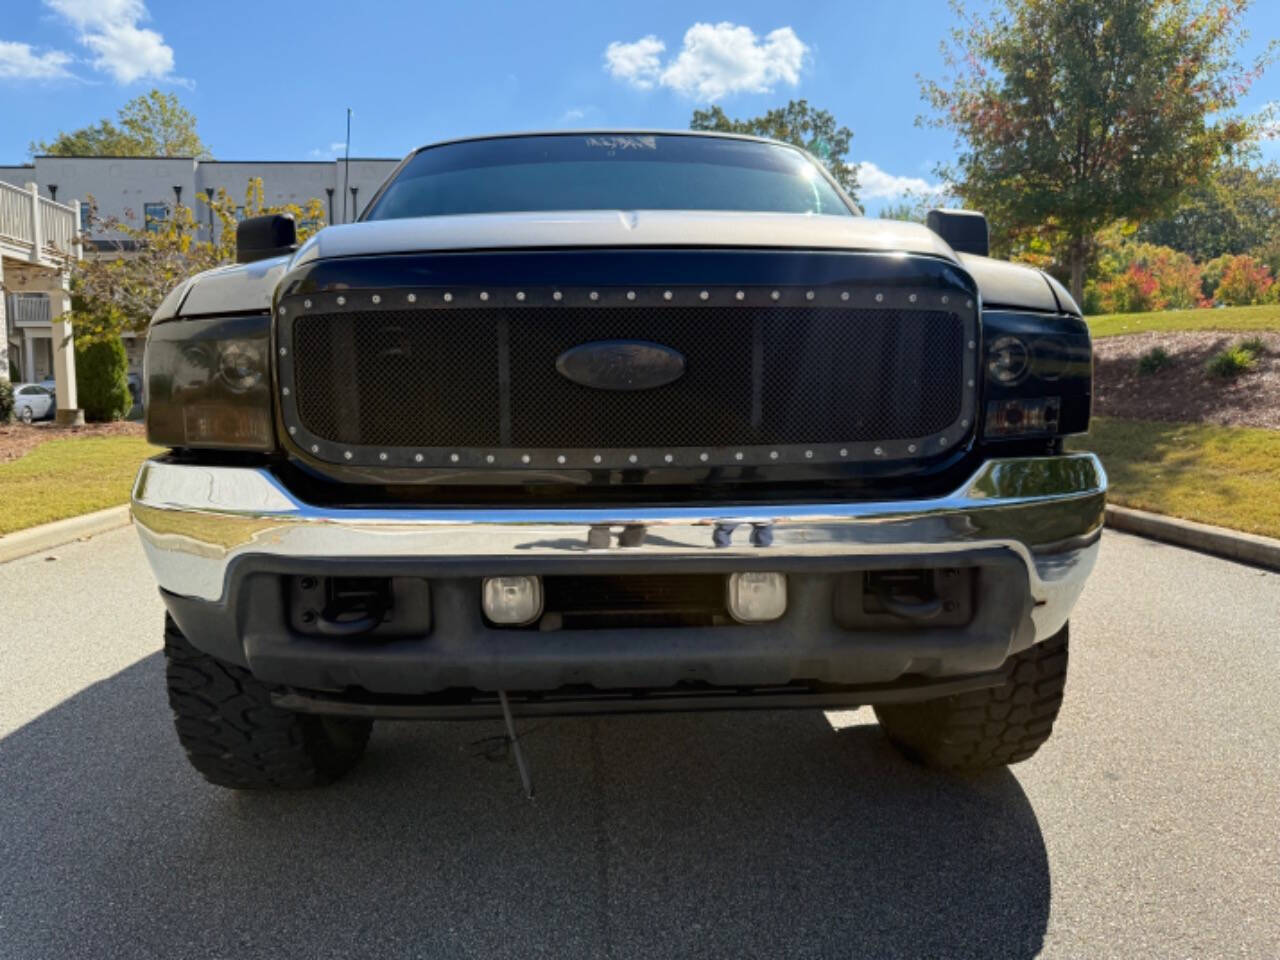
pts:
pixel 143 190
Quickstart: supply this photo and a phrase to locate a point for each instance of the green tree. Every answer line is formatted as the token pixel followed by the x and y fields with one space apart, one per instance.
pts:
pixel 1071 114
pixel 797 123
pixel 154 124
pixel 1236 210
pixel 120 293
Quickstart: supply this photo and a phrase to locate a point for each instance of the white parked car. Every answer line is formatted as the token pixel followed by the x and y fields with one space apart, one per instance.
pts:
pixel 32 401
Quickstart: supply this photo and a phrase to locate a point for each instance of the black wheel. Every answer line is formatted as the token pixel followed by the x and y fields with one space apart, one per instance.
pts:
pixel 26 414
pixel 237 738
pixel 985 729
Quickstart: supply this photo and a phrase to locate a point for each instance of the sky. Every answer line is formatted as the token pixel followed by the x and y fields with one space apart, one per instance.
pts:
pixel 271 80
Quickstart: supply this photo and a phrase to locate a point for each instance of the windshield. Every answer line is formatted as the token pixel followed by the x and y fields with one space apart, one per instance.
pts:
pixel 607 172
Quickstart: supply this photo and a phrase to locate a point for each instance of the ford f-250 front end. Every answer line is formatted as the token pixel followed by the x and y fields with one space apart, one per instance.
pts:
pixel 614 423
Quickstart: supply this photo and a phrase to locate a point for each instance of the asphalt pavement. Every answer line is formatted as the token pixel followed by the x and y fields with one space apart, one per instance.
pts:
pixel 1148 826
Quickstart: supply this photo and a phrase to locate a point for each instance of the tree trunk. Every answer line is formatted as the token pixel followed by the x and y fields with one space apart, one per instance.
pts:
pixel 1077 262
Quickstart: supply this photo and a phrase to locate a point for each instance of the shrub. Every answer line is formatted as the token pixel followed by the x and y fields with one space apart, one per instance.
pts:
pixel 1148 277
pixel 1132 291
pixel 1253 345
pixel 6 401
pixel 1269 256
pixel 1230 363
pixel 1211 274
pixel 102 379
pixel 1244 281
pixel 1154 360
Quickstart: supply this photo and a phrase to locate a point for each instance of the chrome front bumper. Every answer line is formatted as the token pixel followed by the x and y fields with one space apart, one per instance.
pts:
pixel 196 522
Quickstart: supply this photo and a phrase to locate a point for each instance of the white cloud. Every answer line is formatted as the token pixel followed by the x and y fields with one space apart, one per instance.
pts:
pixel 715 60
pixel 573 115
pixel 19 62
pixel 635 63
pixel 723 58
pixel 120 47
pixel 877 184
pixel 130 53
pixel 336 148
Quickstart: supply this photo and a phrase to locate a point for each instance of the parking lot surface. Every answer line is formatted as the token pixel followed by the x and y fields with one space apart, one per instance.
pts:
pixel 1147 826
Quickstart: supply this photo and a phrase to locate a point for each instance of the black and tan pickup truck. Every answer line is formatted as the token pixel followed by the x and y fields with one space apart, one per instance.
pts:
pixel 614 423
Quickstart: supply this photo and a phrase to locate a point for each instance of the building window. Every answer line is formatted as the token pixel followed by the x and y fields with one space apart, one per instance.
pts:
pixel 239 214
pixel 86 214
pixel 155 216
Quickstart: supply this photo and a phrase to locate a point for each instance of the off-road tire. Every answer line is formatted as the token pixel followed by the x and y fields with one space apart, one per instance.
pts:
pixel 235 737
pixel 985 729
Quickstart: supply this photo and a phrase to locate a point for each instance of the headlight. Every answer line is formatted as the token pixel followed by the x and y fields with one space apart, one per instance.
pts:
pixel 1039 375
pixel 208 383
pixel 1008 359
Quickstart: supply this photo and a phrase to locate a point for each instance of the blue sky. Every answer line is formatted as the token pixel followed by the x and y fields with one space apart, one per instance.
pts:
pixel 270 80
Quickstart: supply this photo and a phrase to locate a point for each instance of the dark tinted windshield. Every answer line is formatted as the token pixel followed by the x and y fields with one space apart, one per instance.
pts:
pixel 606 172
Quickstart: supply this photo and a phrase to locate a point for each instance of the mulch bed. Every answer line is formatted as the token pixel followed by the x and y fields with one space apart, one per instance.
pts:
pixel 1184 391
pixel 17 439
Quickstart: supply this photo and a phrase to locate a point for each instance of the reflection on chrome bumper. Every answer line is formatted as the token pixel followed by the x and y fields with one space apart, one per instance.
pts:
pixel 196 520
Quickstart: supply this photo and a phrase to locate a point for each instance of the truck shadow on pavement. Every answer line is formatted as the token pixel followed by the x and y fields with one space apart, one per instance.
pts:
pixel 759 834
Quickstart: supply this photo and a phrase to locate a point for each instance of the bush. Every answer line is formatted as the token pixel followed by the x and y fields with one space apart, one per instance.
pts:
pixel 1231 362
pixel 1211 274
pixel 102 379
pixel 1244 281
pixel 1253 345
pixel 1132 291
pixel 1154 360
pixel 6 401
pixel 1147 277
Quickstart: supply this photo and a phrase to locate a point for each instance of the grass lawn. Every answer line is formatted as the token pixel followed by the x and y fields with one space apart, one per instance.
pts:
pixel 1263 317
pixel 65 478
pixel 1226 476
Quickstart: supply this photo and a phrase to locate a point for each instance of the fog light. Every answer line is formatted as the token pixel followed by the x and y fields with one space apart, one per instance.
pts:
pixel 757 597
pixel 515 601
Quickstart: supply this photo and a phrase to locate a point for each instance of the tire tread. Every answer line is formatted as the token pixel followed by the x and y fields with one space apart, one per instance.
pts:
pixel 236 737
pixel 986 729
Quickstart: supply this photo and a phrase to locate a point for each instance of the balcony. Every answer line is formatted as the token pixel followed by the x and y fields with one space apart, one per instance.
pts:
pixel 29 309
pixel 36 230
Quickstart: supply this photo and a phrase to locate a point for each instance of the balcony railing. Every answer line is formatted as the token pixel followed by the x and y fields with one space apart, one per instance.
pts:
pixel 28 309
pixel 36 228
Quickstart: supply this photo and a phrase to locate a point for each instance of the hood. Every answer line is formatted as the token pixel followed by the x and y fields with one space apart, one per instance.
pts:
pixel 1004 284
pixel 249 287
pixel 243 288
pixel 622 228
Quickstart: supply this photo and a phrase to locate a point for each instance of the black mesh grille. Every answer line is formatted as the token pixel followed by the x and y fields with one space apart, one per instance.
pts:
pixel 486 377
pixel 399 378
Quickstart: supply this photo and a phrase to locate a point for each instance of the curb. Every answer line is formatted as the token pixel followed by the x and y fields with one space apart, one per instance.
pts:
pixel 23 543
pixel 1218 541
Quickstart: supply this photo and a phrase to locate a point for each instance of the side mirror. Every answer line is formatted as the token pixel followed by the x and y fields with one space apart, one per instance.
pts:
pixel 965 230
pixel 270 236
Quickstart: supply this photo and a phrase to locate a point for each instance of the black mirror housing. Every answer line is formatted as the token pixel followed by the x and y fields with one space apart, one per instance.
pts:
pixel 965 230
pixel 268 236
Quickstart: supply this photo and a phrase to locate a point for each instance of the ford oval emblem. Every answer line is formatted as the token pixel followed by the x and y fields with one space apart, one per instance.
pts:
pixel 621 365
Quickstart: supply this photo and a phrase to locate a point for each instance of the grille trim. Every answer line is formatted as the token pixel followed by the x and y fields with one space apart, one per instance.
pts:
pixel 499 453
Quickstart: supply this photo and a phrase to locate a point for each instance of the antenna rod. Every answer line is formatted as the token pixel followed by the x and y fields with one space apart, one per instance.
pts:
pixel 346 176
